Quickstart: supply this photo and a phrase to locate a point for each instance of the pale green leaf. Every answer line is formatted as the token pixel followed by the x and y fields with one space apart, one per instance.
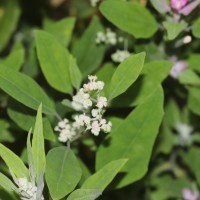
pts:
pixel 38 150
pixel 62 172
pixel 130 17
pixel 25 90
pixel 194 100
pixel 139 128
pixel 174 28
pixel 61 30
pixel 6 183
pixel 54 61
pixel 126 74
pixel 13 162
pixel 104 176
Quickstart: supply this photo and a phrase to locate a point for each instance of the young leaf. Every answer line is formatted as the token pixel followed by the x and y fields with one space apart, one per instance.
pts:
pixel 84 194
pixel 7 184
pixel 89 55
pixel 38 150
pixel 139 128
pixel 54 61
pixel 62 172
pixel 174 28
pixel 25 90
pixel 194 100
pixel 104 176
pixel 8 21
pixel 61 30
pixel 126 74
pixel 13 162
pixel 130 17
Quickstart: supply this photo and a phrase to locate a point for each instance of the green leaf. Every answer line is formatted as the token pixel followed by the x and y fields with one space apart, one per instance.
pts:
pixel 139 128
pixel 193 61
pixel 191 158
pixel 16 57
pixel 174 29
pixel 130 17
pixel 25 90
pixel 13 162
pixel 189 77
pixel 104 176
pixel 62 172
pixel 84 194
pixel 126 74
pixel 9 16
pixel 25 119
pixel 89 55
pixel 6 183
pixel 196 28
pixel 54 61
pixel 152 75
pixel 194 100
pixel 75 74
pixel 38 150
pixel 61 30
pixel 160 5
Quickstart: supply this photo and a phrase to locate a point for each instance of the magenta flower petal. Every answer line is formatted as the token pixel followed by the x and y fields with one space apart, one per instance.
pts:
pixel 178 4
pixel 190 7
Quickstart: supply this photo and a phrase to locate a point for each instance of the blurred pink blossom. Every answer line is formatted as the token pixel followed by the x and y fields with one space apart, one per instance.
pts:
pixel 178 4
pixel 178 67
pixel 188 194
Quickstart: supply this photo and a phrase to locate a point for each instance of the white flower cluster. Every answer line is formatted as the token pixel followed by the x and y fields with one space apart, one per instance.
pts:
pixel 120 55
pixel 27 189
pixel 94 2
pixel 109 37
pixel 92 104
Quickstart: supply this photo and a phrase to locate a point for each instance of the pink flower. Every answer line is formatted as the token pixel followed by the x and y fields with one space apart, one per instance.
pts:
pixel 178 4
pixel 189 194
pixel 178 67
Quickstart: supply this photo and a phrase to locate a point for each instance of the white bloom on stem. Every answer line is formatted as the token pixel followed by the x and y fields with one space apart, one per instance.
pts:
pixel 120 55
pixel 107 127
pixel 101 102
pixel 111 37
pixel 100 38
pixel 95 113
pixel 95 128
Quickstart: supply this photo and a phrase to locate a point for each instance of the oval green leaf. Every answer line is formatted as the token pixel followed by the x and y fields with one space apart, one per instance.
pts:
pixel 62 172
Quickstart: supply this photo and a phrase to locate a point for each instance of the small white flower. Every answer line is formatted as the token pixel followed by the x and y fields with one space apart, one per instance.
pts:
pixel 107 127
pixel 111 37
pixel 92 78
pixel 178 67
pixel 87 103
pixel 101 102
pixel 100 38
pixel 120 55
pixel 95 112
pixel 187 39
pixel 100 85
pixel 95 128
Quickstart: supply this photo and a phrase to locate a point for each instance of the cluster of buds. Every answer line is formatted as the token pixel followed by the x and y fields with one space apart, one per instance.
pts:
pixel 27 189
pixel 120 55
pixel 109 37
pixel 92 104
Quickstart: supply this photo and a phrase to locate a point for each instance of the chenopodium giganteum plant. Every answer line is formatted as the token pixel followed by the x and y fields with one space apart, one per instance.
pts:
pixel 123 99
